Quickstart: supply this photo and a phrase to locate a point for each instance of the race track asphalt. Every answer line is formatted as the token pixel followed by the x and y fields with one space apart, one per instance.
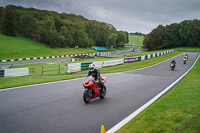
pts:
pixel 59 107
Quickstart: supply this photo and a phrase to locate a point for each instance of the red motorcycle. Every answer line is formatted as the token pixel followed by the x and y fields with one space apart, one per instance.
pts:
pixel 92 90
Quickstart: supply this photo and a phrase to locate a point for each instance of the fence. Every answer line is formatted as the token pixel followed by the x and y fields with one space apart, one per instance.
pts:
pixel 31 70
pixel 51 69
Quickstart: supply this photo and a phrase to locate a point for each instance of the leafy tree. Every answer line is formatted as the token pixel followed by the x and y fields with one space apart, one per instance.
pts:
pixel 121 38
pixel 81 39
pixel 127 38
pixel 146 41
pixel 48 32
pixel 137 34
pixel 155 39
pixel 171 38
pixel 27 25
pixel 65 38
pixel 184 32
pixel 112 39
pixel 8 22
pixel 1 12
pixel 193 33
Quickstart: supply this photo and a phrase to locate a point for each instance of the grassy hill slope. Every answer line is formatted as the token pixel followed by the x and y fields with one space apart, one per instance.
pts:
pixel 136 40
pixel 19 47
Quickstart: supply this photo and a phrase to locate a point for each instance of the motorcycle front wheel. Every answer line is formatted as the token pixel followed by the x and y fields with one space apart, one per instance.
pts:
pixel 86 96
pixel 103 92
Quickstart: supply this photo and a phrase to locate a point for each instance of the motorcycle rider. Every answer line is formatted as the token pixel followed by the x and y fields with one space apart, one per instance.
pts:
pixel 96 74
pixel 186 56
pixel 173 62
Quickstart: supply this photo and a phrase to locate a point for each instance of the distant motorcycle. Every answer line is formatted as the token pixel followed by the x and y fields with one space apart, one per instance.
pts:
pixel 185 59
pixel 172 65
pixel 92 90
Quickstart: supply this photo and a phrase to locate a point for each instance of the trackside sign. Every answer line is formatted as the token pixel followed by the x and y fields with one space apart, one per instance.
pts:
pixel 129 60
pixel 112 62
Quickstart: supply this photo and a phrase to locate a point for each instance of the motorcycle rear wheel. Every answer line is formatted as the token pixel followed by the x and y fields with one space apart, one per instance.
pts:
pixel 86 96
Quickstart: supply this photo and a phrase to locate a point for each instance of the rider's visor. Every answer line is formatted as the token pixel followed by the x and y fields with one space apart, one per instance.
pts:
pixel 91 68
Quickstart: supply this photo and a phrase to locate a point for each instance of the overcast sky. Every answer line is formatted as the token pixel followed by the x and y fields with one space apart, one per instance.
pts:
pixel 127 15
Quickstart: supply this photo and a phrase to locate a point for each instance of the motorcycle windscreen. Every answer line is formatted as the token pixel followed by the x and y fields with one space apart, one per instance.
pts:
pixel 89 78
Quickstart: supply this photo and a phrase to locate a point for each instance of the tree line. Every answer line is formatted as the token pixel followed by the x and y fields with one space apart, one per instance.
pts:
pixel 59 29
pixel 137 34
pixel 184 34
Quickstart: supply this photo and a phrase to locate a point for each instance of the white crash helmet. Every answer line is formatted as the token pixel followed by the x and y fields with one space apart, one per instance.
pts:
pixel 91 67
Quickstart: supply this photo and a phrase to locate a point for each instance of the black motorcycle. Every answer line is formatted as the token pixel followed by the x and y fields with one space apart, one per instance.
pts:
pixel 172 65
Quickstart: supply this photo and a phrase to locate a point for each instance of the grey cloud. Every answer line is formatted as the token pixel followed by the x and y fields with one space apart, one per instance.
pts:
pixel 128 15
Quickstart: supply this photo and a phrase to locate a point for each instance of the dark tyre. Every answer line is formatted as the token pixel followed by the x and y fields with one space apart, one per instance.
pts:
pixel 86 96
pixel 103 92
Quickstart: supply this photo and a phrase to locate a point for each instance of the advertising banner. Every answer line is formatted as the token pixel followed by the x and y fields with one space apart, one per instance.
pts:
pixel 14 72
pixel 129 60
pixel 112 62
pixel 98 64
pixel 74 67
pixel 85 66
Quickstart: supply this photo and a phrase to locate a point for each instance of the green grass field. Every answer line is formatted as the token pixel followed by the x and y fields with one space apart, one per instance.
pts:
pixel 186 49
pixel 176 112
pixel 136 40
pixel 19 47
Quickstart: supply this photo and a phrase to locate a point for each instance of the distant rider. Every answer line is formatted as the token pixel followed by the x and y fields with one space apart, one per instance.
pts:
pixel 174 62
pixel 186 56
pixel 96 74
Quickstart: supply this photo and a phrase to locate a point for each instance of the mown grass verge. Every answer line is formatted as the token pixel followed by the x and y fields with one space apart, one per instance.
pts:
pixel 176 112
pixel 7 82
